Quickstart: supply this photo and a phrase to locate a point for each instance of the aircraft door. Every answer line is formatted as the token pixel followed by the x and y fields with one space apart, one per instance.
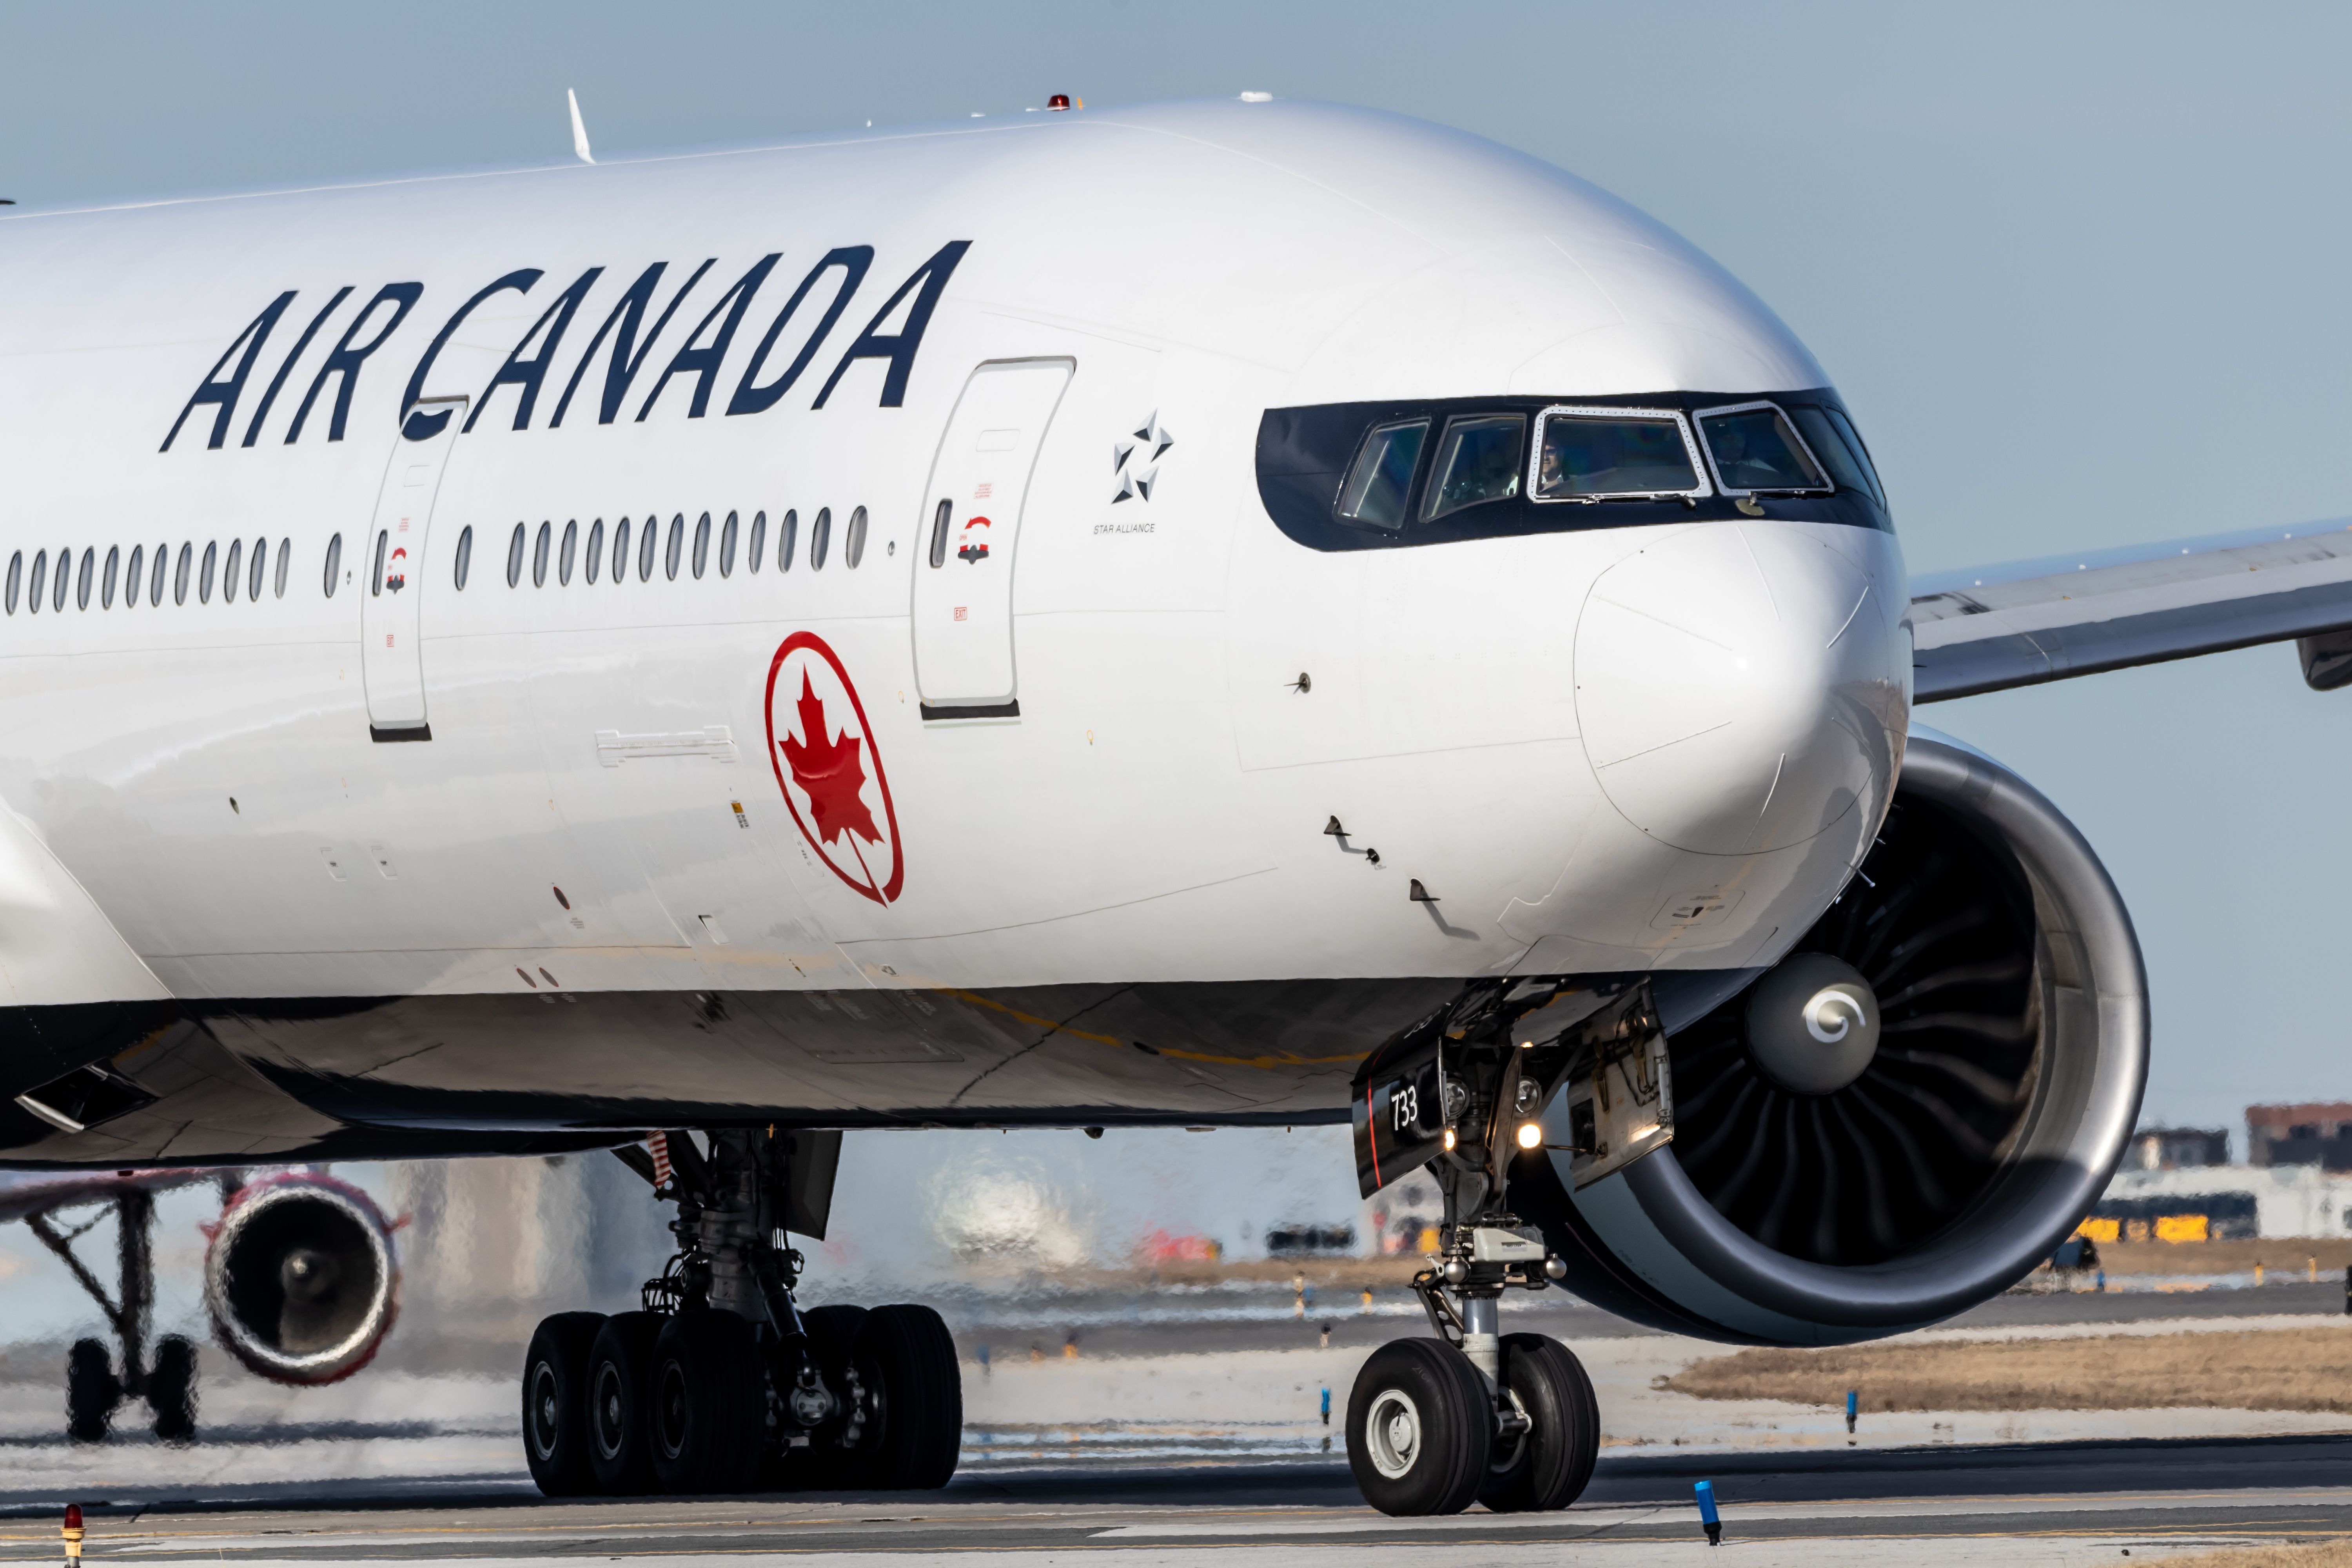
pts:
pixel 971 520
pixel 392 560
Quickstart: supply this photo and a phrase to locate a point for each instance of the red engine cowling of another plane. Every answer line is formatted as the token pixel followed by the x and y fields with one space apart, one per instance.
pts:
pixel 301 1277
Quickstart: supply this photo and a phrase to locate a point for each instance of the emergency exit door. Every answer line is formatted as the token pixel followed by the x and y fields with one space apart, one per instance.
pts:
pixel 965 666
pixel 392 580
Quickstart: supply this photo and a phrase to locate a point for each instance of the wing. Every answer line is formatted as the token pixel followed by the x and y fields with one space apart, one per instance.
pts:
pixel 1999 626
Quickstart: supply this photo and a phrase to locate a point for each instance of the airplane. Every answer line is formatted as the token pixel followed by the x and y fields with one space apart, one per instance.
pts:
pixel 1441 661
pixel 302 1281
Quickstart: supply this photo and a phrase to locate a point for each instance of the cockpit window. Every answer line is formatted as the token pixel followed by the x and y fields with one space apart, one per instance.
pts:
pixel 1598 454
pixel 1409 473
pixel 1754 448
pixel 1478 460
pixel 1833 441
pixel 1378 483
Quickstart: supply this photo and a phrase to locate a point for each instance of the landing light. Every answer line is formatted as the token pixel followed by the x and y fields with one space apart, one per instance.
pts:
pixel 1449 1138
pixel 1530 1135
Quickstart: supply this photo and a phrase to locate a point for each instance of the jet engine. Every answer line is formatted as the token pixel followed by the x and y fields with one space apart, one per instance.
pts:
pixel 1904 1115
pixel 301 1277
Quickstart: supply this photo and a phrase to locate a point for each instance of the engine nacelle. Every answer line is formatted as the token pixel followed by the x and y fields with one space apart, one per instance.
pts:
pixel 301 1279
pixel 2010 1050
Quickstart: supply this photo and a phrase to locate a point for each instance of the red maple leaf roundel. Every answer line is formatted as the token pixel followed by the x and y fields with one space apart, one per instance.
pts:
pixel 831 772
pixel 828 770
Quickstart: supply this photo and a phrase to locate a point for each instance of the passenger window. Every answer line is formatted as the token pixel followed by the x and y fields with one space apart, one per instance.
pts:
pixel 514 557
pixel 788 534
pixel 853 547
pixel 570 548
pixel 334 565
pixel 464 557
pixel 1376 486
pixel 375 572
pixel 15 579
pixel 204 581
pixel 131 579
pixel 820 536
pixel 701 547
pixel 677 550
pixel 1754 448
pixel 88 572
pixel 228 578
pixel 595 554
pixel 1478 460
pixel 181 573
pixel 620 551
pixel 1597 454
pixel 260 559
pixel 62 582
pixel 759 538
pixel 646 550
pixel 727 548
pixel 939 531
pixel 538 556
pixel 285 558
pixel 106 590
pixel 40 579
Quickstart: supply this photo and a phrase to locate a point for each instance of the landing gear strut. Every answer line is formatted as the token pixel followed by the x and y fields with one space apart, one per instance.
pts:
pixel 720 1383
pixel 94 1389
pixel 1476 1415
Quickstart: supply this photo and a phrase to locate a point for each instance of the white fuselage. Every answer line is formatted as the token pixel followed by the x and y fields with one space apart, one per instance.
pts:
pixel 1602 750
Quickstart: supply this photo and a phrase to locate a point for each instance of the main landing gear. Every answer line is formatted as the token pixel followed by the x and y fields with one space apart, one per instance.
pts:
pixel 94 1389
pixel 1476 1415
pixel 720 1383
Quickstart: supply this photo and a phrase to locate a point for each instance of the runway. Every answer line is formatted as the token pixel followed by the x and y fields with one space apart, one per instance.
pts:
pixel 1097 1426
pixel 2058 1503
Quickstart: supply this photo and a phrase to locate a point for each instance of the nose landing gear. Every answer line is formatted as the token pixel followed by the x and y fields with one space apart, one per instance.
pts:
pixel 721 1383
pixel 1476 1415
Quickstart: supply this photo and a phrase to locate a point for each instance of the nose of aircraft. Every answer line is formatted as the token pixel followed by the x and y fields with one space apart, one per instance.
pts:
pixel 1738 686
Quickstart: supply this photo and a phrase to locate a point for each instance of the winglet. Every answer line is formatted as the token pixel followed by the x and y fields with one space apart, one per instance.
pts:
pixel 579 129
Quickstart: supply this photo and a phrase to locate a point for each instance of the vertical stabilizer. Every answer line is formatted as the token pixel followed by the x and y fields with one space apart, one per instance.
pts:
pixel 579 129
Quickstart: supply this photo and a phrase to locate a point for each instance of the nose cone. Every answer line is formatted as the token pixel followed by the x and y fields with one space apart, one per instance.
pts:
pixel 1740 687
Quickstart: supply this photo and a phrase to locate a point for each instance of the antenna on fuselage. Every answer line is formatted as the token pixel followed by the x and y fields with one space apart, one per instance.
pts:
pixel 579 129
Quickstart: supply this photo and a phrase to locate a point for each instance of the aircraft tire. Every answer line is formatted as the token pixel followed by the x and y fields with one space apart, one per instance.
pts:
pixel 620 1376
pixel 555 1439
pixel 1548 1466
pixel 172 1390
pixel 91 1391
pixel 1420 1428
pixel 708 1403
pixel 907 1359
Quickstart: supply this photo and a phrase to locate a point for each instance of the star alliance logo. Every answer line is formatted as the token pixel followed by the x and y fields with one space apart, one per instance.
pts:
pixel 1136 459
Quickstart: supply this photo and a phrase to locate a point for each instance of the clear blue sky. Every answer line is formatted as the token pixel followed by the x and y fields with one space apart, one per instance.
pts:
pixel 2076 268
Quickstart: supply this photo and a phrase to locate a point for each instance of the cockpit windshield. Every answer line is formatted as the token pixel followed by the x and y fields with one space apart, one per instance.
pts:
pixel 1594 454
pixel 1478 461
pixel 1382 475
pixel 1755 450
pixel 1831 437
pixel 1409 472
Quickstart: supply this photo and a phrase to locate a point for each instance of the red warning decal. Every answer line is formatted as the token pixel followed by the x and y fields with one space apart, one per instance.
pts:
pixel 828 767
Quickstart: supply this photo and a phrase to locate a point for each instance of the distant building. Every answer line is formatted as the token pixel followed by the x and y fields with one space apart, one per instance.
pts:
pixel 2317 1133
pixel 1310 1241
pixel 2178 1148
pixel 2219 1203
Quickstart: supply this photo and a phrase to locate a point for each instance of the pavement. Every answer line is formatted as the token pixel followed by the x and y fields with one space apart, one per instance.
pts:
pixel 1171 1435
pixel 2067 1503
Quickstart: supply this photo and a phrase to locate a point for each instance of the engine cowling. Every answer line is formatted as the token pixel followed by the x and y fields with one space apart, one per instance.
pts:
pixel 2009 1052
pixel 301 1279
